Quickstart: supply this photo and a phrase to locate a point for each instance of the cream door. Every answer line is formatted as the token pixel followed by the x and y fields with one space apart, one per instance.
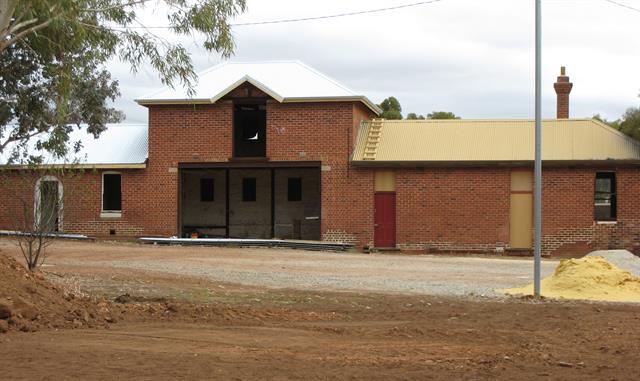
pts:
pixel 521 210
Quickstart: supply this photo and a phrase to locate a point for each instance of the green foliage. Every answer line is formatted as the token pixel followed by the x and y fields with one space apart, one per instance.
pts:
pixel 391 108
pixel 53 55
pixel 414 116
pixel 630 123
pixel 442 115
pixel 612 123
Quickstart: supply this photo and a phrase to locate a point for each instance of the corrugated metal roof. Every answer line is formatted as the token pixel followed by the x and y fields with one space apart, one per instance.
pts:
pixel 285 81
pixel 119 145
pixel 432 141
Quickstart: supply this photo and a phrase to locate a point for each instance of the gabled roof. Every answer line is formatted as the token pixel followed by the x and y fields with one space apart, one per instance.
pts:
pixel 439 142
pixel 119 146
pixel 284 81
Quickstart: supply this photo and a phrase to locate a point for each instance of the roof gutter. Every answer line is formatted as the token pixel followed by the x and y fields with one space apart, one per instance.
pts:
pixel 349 98
pixel 490 163
pixel 76 166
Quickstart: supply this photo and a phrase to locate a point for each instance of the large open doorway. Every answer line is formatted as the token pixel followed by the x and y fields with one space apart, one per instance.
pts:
pixel 277 202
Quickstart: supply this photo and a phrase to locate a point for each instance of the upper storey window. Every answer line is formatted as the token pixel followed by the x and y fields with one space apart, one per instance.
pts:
pixel 250 130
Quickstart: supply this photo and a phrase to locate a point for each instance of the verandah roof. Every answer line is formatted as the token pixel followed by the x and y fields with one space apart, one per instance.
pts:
pixel 119 146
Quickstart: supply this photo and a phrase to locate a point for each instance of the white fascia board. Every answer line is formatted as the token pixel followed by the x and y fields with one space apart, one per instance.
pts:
pixel 252 81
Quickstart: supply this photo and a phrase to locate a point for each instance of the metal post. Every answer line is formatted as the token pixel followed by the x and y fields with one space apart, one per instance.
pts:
pixel 537 190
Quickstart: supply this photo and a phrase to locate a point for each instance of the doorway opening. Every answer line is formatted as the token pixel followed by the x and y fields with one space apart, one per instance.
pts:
pixel 258 203
pixel 521 211
pixel 384 232
pixel 48 205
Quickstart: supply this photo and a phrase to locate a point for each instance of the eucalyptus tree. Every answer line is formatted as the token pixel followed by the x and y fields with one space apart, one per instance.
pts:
pixel 53 56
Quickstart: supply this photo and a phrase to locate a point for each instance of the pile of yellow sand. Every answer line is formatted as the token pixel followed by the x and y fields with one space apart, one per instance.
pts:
pixel 591 278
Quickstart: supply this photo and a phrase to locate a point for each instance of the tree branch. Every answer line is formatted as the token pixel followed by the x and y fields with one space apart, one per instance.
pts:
pixel 119 6
pixel 7 8
pixel 14 138
pixel 12 40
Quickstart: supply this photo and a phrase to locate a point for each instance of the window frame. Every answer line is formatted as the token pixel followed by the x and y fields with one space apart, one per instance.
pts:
pixel 110 213
pixel 612 196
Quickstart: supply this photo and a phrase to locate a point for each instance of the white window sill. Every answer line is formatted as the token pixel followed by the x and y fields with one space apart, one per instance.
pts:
pixel 606 222
pixel 110 214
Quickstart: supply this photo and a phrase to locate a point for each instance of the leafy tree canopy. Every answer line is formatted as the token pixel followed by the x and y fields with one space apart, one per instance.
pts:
pixel 391 108
pixel 414 116
pixel 442 115
pixel 613 123
pixel 53 55
pixel 630 123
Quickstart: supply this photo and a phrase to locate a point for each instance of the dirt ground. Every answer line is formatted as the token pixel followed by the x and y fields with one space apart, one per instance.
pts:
pixel 193 327
pixel 299 269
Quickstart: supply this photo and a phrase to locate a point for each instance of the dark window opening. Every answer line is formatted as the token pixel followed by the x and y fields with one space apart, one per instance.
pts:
pixel 250 130
pixel 294 189
pixel 206 190
pixel 49 205
pixel 605 196
pixel 249 189
pixel 111 192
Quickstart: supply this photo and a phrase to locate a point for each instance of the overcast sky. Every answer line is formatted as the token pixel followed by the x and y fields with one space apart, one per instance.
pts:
pixel 472 57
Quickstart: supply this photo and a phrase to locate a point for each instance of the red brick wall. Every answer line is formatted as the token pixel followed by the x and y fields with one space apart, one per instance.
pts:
pixel 324 132
pixel 569 227
pixel 461 209
pixel 81 203
pixel 467 209
pixel 321 132
pixel 185 133
pixel 452 209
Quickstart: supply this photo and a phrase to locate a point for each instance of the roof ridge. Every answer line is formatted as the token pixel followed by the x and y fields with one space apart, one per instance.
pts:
pixel 261 62
pixel 316 72
pixel 198 75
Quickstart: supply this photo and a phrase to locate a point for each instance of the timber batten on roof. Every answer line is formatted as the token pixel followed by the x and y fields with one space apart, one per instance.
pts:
pixel 451 142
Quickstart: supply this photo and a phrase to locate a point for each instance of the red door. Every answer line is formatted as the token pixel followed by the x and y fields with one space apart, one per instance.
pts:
pixel 384 234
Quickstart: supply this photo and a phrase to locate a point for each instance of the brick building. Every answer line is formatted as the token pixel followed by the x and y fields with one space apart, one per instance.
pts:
pixel 276 149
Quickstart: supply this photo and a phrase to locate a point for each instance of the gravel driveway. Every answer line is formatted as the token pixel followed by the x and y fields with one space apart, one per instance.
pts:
pixel 306 270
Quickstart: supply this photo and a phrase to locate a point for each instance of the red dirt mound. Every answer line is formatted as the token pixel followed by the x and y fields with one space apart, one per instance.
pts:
pixel 29 302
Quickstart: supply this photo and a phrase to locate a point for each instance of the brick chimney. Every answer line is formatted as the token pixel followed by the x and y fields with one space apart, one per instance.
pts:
pixel 563 88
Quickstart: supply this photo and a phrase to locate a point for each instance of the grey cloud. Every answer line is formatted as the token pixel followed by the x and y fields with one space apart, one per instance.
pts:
pixel 470 57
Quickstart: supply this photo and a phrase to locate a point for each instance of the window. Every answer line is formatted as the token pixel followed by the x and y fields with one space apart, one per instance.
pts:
pixel 605 196
pixel 111 192
pixel 206 190
pixel 294 189
pixel 250 130
pixel 249 189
